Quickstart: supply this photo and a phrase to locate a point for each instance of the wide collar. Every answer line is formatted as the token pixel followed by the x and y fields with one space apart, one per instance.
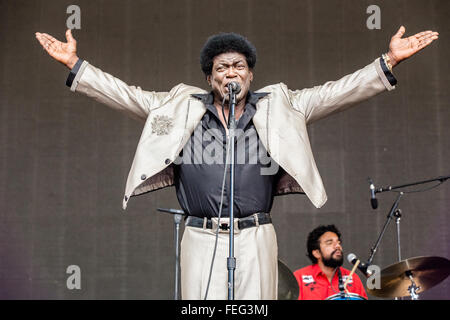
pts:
pixel 208 98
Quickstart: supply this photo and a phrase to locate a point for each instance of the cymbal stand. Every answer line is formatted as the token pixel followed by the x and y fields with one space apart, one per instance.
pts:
pixel 398 216
pixel 413 288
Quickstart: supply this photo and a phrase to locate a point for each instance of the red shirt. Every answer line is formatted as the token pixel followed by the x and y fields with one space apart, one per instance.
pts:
pixel 314 284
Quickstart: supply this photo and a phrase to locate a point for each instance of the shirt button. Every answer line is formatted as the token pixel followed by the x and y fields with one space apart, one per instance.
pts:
pixel 126 198
pixel 167 161
pixel 143 177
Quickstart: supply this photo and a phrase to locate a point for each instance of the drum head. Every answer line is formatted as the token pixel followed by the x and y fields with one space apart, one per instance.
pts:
pixel 346 296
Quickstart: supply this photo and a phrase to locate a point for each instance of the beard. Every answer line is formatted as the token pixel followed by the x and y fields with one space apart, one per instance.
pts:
pixel 333 262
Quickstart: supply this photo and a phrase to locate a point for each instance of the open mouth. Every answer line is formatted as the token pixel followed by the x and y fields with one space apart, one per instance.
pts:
pixel 225 87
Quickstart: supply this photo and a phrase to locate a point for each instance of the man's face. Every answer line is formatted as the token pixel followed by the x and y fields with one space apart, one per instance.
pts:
pixel 330 251
pixel 228 67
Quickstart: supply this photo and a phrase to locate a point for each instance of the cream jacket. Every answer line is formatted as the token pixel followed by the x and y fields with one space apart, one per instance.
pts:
pixel 280 120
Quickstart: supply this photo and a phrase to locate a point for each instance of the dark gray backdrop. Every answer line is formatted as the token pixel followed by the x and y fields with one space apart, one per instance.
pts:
pixel 64 158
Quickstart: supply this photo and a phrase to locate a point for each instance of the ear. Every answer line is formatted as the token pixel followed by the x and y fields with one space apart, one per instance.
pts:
pixel 208 78
pixel 316 254
pixel 251 75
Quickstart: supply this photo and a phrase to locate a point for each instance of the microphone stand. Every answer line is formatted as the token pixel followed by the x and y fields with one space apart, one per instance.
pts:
pixel 341 283
pixel 396 212
pixel 231 260
pixel 389 217
pixel 177 216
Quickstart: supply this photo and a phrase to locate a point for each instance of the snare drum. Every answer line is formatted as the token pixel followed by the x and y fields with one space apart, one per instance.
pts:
pixel 346 296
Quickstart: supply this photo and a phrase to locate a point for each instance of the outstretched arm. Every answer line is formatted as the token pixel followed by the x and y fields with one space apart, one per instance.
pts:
pixel 66 53
pixel 99 85
pixel 95 83
pixel 402 48
pixel 333 96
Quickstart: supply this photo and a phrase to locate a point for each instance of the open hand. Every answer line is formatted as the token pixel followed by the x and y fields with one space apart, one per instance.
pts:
pixel 403 48
pixel 66 53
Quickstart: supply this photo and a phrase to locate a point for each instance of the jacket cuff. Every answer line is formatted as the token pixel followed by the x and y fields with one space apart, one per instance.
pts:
pixel 388 73
pixel 386 76
pixel 75 74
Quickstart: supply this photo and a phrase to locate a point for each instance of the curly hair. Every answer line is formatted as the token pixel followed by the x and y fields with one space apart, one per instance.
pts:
pixel 313 239
pixel 226 42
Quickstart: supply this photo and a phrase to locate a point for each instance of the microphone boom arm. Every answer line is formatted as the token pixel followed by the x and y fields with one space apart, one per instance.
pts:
pixel 390 188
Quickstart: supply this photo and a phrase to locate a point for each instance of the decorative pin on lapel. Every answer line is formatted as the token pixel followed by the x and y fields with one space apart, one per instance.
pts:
pixel 161 125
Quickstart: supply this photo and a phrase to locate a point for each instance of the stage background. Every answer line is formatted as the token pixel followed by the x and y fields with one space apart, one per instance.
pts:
pixel 65 158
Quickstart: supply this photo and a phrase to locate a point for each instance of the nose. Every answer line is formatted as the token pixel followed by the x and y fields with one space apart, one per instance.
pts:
pixel 231 72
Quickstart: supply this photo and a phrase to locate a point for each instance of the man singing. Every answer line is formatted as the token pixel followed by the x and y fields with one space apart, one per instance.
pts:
pixel 274 118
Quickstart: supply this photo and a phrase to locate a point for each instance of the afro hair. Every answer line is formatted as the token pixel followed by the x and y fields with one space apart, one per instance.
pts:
pixel 226 42
pixel 314 236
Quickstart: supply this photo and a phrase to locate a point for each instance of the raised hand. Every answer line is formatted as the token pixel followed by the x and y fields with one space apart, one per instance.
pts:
pixel 66 53
pixel 403 48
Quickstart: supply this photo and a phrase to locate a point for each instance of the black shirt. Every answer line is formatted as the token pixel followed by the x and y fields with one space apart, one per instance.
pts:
pixel 199 176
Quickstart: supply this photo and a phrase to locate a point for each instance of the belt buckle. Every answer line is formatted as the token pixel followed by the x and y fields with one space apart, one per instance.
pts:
pixel 224 226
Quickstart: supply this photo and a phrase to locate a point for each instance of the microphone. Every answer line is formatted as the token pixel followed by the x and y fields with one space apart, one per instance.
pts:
pixel 361 266
pixel 373 198
pixel 234 87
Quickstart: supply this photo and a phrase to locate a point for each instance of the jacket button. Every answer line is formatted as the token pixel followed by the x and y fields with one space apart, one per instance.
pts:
pixel 143 177
pixel 167 161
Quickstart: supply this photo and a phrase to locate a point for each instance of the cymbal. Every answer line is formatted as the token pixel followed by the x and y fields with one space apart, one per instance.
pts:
pixel 288 288
pixel 426 272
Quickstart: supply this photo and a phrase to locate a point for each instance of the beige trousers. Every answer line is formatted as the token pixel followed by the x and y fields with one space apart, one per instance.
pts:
pixel 256 273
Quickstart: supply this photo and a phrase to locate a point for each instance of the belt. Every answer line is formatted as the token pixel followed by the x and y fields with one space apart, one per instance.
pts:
pixel 243 223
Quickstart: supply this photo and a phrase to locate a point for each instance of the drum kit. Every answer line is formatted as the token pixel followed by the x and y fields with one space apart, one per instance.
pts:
pixel 405 278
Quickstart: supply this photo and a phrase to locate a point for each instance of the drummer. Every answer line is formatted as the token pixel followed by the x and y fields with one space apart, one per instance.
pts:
pixel 326 276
